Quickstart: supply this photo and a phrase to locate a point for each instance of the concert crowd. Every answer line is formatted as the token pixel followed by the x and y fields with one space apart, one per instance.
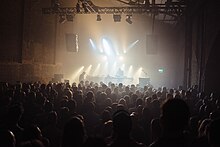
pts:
pixel 99 115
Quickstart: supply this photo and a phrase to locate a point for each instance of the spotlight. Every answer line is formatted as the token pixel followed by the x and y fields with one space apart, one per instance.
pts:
pixel 121 58
pixel 117 17
pixel 62 19
pixel 69 17
pixel 98 18
pixel 128 19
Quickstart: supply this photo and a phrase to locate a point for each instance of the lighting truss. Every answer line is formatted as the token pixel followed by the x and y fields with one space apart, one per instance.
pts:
pixel 171 12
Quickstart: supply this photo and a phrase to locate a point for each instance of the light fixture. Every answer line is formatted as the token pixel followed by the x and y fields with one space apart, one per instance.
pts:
pixel 117 17
pixel 98 17
pixel 128 19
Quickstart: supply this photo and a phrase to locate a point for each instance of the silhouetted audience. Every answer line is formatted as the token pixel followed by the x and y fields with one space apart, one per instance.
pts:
pixel 174 120
pixel 73 133
pixel 122 126
pixel 99 114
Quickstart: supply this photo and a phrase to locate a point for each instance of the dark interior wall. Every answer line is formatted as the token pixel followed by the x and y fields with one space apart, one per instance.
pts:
pixel 206 25
pixel 212 71
pixel 28 41
pixel 11 30
pixel 39 34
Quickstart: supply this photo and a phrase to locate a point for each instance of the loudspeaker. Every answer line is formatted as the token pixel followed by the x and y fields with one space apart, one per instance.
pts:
pixel 72 42
pixel 151 44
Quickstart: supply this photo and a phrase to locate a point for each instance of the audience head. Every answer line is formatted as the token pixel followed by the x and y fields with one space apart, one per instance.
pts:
pixel 73 133
pixel 175 115
pixel 7 139
pixel 14 114
pixel 214 133
pixel 122 123
pixel 32 132
pixel 32 143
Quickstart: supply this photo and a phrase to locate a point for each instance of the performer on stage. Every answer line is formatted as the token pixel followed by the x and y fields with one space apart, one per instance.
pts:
pixel 82 76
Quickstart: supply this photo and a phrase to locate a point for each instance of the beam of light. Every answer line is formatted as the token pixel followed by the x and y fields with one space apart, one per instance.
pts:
pixel 132 45
pixel 113 69
pixel 116 51
pixel 121 58
pixel 100 48
pixel 137 75
pixel 97 70
pixel 76 74
pixel 105 69
pixel 130 71
pixel 92 44
pixel 116 48
pixel 88 70
pixel 104 58
pixel 106 46
pixel 123 67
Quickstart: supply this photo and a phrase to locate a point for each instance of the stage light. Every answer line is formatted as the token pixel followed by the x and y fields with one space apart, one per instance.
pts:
pixel 92 44
pixel 69 17
pixel 130 71
pixel 62 19
pixel 117 17
pixel 98 18
pixel 128 19
pixel 107 47
pixel 104 58
pixel 88 70
pixel 133 44
pixel 121 58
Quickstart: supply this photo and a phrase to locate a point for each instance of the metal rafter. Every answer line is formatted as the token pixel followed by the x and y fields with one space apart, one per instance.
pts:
pixel 174 10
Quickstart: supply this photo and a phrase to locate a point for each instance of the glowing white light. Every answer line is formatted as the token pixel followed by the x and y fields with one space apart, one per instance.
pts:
pixel 106 46
pixel 101 50
pixel 104 58
pixel 105 69
pixel 137 75
pixel 97 70
pixel 121 58
pixel 123 67
pixel 88 69
pixel 130 71
pixel 161 70
pixel 125 51
pixel 75 75
pixel 132 44
pixel 113 69
pixel 92 44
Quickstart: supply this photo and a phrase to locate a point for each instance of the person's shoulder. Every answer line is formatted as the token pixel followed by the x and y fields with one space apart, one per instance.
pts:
pixel 157 143
pixel 130 143
pixel 154 144
pixel 140 145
